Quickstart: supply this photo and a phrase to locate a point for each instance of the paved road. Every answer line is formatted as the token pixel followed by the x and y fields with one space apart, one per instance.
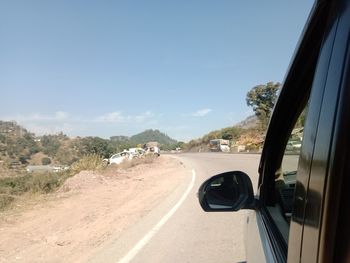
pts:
pixel 188 234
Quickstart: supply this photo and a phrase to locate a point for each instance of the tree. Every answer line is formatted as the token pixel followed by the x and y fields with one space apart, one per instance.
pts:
pixel 95 145
pixel 231 133
pixel 66 156
pixel 23 159
pixel 50 144
pixel 262 98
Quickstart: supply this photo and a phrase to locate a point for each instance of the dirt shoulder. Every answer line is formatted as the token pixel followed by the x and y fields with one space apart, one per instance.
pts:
pixel 86 212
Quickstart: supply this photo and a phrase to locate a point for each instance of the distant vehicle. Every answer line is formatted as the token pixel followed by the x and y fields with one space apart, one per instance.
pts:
pixel 293 146
pixel 46 168
pixel 118 158
pixel 219 145
pixel 137 152
pixel 60 168
pixel 39 168
pixel 153 150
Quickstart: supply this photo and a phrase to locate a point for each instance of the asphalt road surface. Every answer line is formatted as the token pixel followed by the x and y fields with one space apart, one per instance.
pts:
pixel 178 230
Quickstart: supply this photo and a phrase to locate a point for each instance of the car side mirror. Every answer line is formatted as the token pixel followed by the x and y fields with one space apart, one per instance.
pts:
pixel 230 191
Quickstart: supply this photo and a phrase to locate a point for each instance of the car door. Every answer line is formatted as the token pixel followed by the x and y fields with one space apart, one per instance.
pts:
pixel 330 155
pixel 300 211
pixel 289 219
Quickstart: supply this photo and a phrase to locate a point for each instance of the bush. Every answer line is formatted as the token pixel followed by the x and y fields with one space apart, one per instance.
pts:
pixel 94 145
pixel 34 149
pixel 45 183
pixel 14 185
pixel 23 159
pixel 50 144
pixel 46 161
pixel 5 201
pixel 90 162
pixel 33 183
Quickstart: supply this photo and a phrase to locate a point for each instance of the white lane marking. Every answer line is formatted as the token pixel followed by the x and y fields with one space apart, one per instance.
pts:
pixel 136 249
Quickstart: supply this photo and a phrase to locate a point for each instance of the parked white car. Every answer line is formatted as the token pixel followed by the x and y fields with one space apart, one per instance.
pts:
pixel 137 152
pixel 153 150
pixel 120 157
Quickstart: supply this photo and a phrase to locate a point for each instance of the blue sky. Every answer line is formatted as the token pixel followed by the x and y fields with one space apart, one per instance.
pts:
pixel 105 68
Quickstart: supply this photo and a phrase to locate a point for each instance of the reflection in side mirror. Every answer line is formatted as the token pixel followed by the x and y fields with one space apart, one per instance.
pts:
pixel 229 191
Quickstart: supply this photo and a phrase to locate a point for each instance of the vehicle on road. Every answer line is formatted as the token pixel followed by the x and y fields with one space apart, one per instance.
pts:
pixel 300 211
pixel 219 145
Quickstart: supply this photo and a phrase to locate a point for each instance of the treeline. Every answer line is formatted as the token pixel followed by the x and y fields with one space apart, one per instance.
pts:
pixel 17 145
pixel 252 138
pixel 262 99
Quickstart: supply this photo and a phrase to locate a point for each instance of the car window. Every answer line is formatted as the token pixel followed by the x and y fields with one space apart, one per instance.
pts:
pixel 285 178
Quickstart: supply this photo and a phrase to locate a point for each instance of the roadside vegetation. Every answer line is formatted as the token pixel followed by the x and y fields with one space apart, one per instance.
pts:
pixel 250 133
pixel 11 188
pixel 19 147
pixel 30 184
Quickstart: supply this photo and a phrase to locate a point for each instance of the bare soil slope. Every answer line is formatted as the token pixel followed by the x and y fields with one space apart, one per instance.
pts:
pixel 90 208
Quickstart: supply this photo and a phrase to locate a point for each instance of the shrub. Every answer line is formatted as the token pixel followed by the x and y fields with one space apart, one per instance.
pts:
pixel 46 161
pixel 45 182
pixel 33 183
pixel 5 201
pixel 90 162
pixel 50 144
pixel 34 149
pixel 23 159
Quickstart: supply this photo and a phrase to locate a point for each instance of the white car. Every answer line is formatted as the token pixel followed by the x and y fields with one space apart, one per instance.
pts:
pixel 153 150
pixel 137 152
pixel 118 158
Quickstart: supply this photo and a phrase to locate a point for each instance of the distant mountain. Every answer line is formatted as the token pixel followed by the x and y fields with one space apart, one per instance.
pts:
pixel 152 135
pixel 120 138
pixel 250 122
pixel 19 147
pixel 246 132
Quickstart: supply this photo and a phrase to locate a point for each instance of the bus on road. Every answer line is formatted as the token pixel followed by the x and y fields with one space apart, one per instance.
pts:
pixel 219 145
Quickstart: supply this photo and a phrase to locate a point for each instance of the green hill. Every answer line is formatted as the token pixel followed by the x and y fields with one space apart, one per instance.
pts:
pixel 19 147
pixel 247 132
pixel 152 135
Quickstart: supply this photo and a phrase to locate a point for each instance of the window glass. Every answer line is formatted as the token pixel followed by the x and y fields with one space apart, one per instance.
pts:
pixel 285 178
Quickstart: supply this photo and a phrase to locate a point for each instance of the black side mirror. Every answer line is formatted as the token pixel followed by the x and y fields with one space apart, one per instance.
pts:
pixel 230 191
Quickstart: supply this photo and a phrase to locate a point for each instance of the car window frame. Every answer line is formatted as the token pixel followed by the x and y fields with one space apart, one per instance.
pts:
pixel 320 242
pixel 291 101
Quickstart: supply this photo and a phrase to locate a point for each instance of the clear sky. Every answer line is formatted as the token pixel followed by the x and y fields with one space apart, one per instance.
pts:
pixel 105 68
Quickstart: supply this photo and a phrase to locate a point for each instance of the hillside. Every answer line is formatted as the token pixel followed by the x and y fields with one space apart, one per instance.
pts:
pixel 166 143
pixel 246 133
pixel 152 135
pixel 19 147
pixel 248 123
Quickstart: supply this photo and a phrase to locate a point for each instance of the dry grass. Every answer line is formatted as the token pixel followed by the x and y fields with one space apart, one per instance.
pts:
pixel 136 161
pixel 91 162
pixel 43 183
pixel 5 201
